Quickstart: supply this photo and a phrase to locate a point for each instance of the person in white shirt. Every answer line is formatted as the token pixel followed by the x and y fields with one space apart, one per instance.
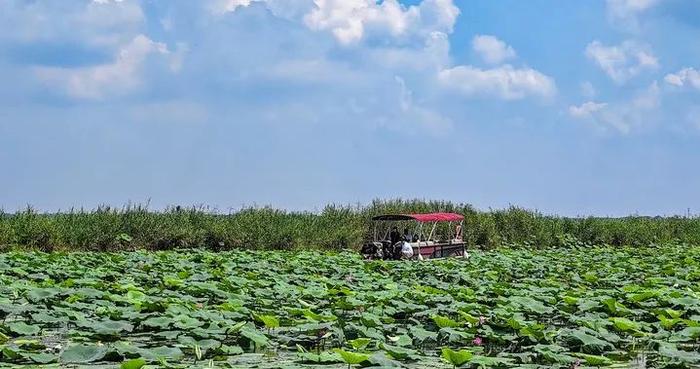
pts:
pixel 406 250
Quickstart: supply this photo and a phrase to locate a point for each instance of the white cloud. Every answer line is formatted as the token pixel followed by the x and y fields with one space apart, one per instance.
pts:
pixel 409 41
pixel 432 57
pixel 586 109
pixel 622 117
pixel 115 78
pixel 350 21
pixel 288 9
pixel 225 6
pixel 604 116
pixel 314 71
pixel 625 12
pixel 627 8
pixel 411 116
pixel 438 15
pixel 491 49
pixel 622 62
pixel 684 77
pixel 504 82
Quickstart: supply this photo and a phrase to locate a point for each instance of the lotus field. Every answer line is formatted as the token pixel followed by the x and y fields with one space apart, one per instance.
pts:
pixel 565 308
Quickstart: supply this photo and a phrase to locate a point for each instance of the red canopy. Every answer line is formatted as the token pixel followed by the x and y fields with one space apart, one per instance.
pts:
pixel 430 217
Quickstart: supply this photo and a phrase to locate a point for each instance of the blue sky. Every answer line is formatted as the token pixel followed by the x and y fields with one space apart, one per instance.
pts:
pixel 569 107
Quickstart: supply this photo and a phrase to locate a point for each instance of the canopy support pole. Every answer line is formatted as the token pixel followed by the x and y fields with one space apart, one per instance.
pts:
pixel 432 231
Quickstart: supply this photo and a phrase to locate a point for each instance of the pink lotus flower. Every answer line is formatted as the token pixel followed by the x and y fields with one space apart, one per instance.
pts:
pixel 477 341
pixel 576 365
pixel 482 320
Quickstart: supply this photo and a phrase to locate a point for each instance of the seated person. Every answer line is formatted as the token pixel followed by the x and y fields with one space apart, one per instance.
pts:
pixel 394 236
pixel 407 235
pixel 406 250
pixel 458 232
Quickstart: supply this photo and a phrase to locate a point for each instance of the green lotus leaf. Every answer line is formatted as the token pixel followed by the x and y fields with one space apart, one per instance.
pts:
pixel 231 350
pixel 472 320
pixel 84 353
pixel 399 353
pixel 187 322
pixel 323 357
pixel 625 325
pixel 444 322
pixel 614 307
pixel 554 354
pixel 253 335
pixel 41 357
pixel 402 340
pixel 268 320
pixel 489 361
pixel 456 358
pixel 318 317
pixel 371 320
pixel 111 327
pixel 161 322
pixel 455 335
pixel 590 342
pixel 43 317
pixel 672 352
pixel 359 343
pixel 162 353
pixel 29 344
pixel 23 329
pixel 421 334
pixel 530 304
pixel 10 353
pixel 687 334
pixel 594 360
pixel 136 297
pixel 352 358
pixel 41 294
pixel 668 323
pixel 674 314
pixel 137 363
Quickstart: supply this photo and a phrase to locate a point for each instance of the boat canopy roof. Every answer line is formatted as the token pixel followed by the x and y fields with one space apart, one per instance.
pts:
pixel 423 218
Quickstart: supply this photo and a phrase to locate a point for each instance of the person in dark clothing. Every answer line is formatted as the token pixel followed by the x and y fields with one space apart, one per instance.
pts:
pixel 407 235
pixel 387 251
pixel 394 236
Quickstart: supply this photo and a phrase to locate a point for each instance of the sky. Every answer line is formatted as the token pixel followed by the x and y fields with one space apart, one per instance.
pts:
pixel 569 107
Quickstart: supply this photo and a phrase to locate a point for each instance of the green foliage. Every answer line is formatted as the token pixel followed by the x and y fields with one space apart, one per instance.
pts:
pixel 456 358
pixel 503 308
pixel 334 228
pixel 133 364
pixel 81 354
pixel 359 343
pixel 352 358
pixel 23 329
pixel 270 321
pixel 625 325
pixel 444 322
